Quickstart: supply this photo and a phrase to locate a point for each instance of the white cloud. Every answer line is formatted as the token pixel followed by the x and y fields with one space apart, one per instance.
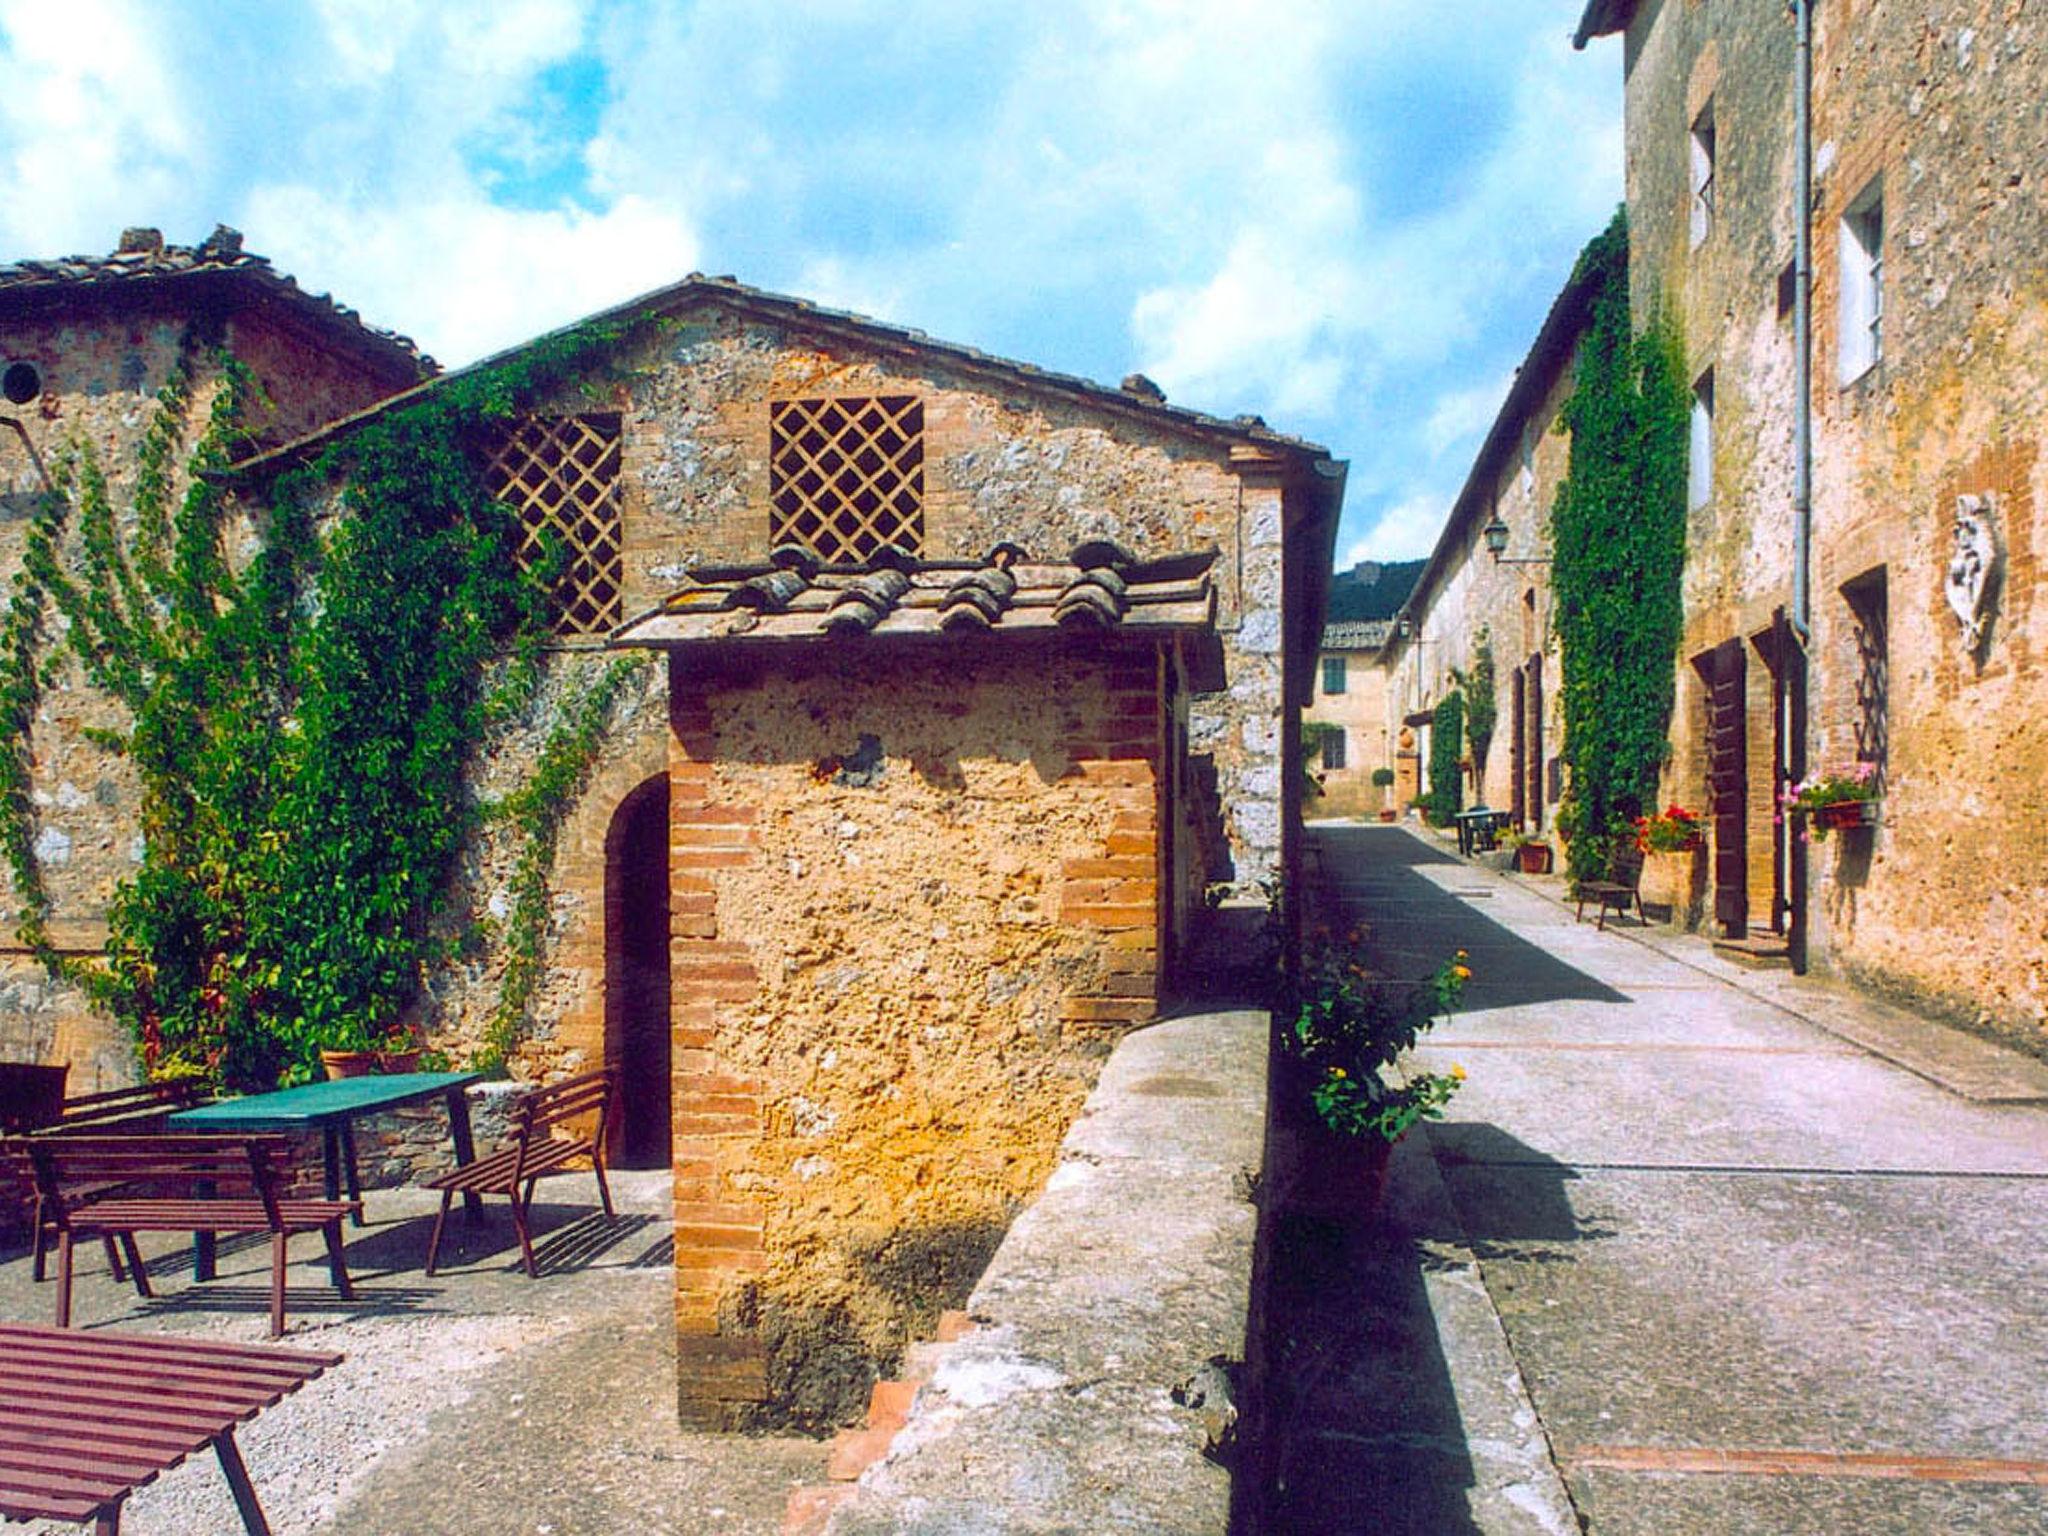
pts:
pixel 92 125
pixel 1407 530
pixel 465 278
pixel 1460 416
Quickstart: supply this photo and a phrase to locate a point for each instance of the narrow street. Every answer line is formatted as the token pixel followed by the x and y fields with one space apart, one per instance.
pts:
pixel 1678 1260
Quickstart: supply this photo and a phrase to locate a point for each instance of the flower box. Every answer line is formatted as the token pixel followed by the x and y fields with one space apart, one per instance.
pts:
pixel 1674 883
pixel 1845 815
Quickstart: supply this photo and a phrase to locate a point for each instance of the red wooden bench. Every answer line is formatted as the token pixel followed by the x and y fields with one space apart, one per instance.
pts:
pixel 553 1130
pixel 116 1111
pixel 112 1187
pixel 86 1418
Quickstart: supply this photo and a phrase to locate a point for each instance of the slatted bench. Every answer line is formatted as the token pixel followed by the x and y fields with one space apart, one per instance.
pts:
pixel 1617 894
pixel 113 1187
pixel 139 1110
pixel 553 1130
pixel 86 1418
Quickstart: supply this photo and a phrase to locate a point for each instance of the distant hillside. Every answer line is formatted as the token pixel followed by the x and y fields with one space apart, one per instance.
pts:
pixel 1371 590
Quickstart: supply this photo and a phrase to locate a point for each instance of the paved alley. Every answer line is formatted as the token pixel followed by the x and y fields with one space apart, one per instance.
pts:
pixel 1679 1261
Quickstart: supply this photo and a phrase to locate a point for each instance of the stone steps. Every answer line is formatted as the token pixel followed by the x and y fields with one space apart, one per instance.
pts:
pixel 1759 952
pixel 855 1450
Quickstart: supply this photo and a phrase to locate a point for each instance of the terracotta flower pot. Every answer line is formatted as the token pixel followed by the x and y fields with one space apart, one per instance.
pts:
pixel 1389 814
pixel 407 1060
pixel 341 1064
pixel 1845 815
pixel 1533 858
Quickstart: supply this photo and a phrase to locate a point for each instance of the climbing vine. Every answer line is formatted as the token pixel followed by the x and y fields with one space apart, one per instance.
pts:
pixel 1618 533
pixel 536 809
pixel 1446 746
pixel 1482 709
pixel 299 723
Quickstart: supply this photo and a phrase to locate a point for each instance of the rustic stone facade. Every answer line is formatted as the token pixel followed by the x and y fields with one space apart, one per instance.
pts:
pixel 102 336
pixel 1351 702
pixel 1928 140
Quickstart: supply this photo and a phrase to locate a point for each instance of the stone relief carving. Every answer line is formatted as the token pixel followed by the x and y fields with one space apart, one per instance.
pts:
pixel 1972 568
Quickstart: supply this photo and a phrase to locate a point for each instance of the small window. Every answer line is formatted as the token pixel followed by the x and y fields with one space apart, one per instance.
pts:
pixel 1333 674
pixel 560 477
pixel 1333 747
pixel 1702 148
pixel 1862 236
pixel 846 476
pixel 1699 467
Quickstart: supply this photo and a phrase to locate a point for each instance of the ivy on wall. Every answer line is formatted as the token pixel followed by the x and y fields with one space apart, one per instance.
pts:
pixel 1446 795
pixel 1482 709
pixel 1618 537
pixel 300 723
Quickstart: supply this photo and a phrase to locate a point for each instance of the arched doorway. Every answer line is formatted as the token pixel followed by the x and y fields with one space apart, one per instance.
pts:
pixel 636 973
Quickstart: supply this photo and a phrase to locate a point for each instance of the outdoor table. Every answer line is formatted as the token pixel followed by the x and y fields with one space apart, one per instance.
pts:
pixel 87 1418
pixel 331 1107
pixel 1476 825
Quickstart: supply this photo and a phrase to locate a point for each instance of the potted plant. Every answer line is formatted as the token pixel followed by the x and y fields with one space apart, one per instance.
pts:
pixel 1674 862
pixel 1837 801
pixel 1383 780
pixel 1531 852
pixel 1343 1032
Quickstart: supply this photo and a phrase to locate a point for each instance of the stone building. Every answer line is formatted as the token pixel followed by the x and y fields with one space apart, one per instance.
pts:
pixel 86 344
pixel 967 684
pixel 1471 599
pixel 1897 636
pixel 1349 712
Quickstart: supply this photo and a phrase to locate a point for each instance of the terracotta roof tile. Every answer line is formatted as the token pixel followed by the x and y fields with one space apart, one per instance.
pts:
pixel 1009 592
pixel 143 258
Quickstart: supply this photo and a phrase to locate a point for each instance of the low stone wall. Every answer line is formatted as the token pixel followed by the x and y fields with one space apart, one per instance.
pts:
pixel 1086 1394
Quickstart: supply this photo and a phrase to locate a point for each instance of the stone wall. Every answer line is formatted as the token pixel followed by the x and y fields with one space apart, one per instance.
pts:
pixel 102 360
pixel 1360 712
pixel 1940 107
pixel 893 985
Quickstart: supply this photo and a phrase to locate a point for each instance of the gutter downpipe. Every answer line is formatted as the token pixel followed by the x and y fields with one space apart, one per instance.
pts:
pixel 1792 727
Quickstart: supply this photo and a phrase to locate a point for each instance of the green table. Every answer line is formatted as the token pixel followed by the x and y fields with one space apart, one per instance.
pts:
pixel 330 1108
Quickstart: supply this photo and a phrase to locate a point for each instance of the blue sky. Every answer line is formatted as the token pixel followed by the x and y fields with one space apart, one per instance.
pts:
pixel 1348 218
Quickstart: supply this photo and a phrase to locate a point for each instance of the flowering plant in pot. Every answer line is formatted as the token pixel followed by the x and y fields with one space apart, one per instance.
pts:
pixel 1837 800
pixel 1343 1032
pixel 1672 830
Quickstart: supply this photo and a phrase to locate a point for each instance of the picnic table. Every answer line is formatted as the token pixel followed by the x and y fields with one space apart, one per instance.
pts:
pixel 331 1108
pixel 87 1418
pixel 1478 827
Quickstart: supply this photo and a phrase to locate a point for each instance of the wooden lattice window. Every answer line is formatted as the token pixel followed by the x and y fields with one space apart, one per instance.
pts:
pixel 846 476
pixel 560 474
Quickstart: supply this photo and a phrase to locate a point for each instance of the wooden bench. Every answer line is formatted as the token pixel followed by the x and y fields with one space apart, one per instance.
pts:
pixel 139 1110
pixel 553 1130
pixel 87 1417
pixel 109 1188
pixel 1618 893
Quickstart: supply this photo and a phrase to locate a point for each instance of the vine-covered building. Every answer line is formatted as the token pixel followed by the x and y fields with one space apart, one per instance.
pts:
pixel 898 708
pixel 1895 641
pixel 88 344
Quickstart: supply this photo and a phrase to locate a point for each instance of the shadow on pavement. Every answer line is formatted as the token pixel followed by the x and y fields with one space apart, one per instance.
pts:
pixel 1367 876
pixel 1353 1422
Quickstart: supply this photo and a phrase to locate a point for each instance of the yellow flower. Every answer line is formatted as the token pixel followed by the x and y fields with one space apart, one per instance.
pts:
pixel 1457 1071
pixel 1336 1072
pixel 1462 972
pixel 1463 955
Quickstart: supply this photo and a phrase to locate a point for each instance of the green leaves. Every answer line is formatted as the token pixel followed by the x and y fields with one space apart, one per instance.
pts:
pixel 1446 746
pixel 1618 539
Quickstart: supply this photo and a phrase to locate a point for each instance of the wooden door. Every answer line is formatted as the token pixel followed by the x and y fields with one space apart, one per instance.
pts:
pixel 1728 784
pixel 1518 752
pixel 1533 797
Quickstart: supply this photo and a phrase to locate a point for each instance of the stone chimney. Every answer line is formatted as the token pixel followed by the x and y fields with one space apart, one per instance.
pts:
pixel 140 241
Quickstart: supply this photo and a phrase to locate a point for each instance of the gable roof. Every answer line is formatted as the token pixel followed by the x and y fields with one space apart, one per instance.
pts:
pixel 143 263
pixel 1138 402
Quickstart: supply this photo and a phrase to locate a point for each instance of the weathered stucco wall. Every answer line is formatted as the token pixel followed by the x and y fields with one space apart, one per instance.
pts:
pixel 1939 106
pixel 1360 712
pixel 894 984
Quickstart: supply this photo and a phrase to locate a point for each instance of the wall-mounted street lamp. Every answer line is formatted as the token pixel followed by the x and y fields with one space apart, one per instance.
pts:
pixel 1496 535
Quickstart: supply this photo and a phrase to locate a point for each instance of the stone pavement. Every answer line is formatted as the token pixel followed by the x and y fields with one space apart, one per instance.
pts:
pixel 1679 1261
